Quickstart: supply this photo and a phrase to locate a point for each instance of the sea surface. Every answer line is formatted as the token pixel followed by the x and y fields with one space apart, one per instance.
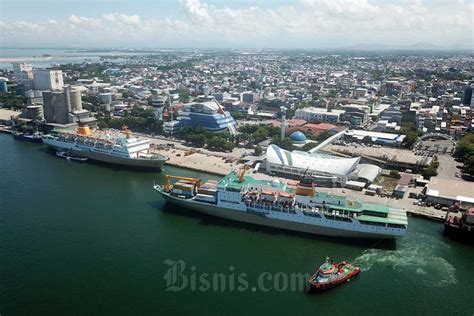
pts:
pixel 88 239
pixel 46 57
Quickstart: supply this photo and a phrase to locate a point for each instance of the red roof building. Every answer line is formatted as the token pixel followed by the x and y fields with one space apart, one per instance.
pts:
pixel 317 129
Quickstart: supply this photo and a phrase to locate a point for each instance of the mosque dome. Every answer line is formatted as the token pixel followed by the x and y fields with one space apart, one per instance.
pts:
pixel 297 138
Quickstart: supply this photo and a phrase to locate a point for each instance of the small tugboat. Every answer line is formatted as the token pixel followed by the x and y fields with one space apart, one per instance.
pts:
pixel 331 274
pixel 70 156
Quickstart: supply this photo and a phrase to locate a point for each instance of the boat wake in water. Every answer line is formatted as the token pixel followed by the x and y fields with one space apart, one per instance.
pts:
pixel 419 256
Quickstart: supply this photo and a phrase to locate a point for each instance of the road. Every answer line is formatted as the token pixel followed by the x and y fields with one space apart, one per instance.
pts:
pixel 448 167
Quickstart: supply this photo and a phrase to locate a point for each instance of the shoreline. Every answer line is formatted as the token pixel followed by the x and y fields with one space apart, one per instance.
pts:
pixel 202 163
pixel 435 218
pixel 25 59
pixel 175 165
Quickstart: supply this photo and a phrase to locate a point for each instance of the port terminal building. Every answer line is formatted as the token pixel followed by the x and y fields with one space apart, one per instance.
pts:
pixel 325 169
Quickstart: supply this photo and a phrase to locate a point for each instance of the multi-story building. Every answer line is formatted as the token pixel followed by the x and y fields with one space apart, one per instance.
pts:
pixel 48 79
pixel 64 107
pixel 392 115
pixel 56 106
pixel 250 97
pixel 360 92
pixel 171 128
pixel 319 114
pixel 468 98
pixel 3 85
pixel 23 74
pixel 356 114
pixel 207 114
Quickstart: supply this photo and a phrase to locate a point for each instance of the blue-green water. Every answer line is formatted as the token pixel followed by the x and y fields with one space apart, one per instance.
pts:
pixel 58 56
pixel 89 239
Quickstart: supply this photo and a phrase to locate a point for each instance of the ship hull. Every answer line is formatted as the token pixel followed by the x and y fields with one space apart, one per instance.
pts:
pixel 109 159
pixel 314 286
pixel 251 218
pixel 459 234
pixel 28 139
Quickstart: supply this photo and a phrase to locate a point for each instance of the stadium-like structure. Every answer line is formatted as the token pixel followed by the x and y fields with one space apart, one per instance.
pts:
pixel 333 171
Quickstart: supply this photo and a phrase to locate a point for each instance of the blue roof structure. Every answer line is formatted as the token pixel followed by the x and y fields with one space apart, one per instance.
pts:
pixel 298 138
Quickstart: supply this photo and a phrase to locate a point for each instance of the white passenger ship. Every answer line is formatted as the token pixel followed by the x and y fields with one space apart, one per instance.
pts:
pixel 293 206
pixel 110 147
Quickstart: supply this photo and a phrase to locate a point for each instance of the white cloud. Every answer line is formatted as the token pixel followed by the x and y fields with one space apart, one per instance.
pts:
pixel 307 23
pixel 109 17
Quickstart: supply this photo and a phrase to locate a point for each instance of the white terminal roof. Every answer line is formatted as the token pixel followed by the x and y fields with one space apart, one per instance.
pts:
pixel 213 105
pixel 323 164
pixel 453 189
pixel 360 134
pixel 321 111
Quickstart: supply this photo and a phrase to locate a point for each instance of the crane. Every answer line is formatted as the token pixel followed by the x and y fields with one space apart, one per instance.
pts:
pixel 195 181
pixel 241 172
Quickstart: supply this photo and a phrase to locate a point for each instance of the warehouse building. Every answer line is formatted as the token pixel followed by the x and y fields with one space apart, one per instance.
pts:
pixel 376 137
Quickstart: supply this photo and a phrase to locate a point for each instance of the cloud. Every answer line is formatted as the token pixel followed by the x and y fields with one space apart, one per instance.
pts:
pixel 122 18
pixel 307 23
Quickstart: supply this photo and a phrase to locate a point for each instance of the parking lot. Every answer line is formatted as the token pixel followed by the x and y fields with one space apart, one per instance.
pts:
pixel 434 146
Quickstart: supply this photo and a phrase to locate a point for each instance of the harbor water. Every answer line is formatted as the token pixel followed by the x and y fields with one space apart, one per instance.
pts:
pixel 93 239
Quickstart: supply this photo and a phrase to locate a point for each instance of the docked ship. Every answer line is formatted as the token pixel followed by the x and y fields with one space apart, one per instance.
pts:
pixel 459 223
pixel 106 146
pixel 33 137
pixel 295 206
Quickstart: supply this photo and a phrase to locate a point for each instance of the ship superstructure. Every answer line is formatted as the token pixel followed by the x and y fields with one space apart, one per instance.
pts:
pixel 292 205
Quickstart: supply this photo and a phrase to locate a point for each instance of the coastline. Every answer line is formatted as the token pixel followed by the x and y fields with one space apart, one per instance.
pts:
pixel 25 59
pixel 216 165
pixel 213 172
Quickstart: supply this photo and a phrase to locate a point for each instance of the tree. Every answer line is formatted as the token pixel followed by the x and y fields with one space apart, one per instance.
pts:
pixel 183 95
pixel 138 120
pixel 465 153
pixel 432 169
pixel 410 138
pixel 258 151
pixel 308 146
pixel 200 137
pixel 323 136
pixel 10 100
pixel 367 140
pixel 285 143
pixel 465 147
pixel 253 134
pixel 429 172
pixel 395 174
pixel 468 167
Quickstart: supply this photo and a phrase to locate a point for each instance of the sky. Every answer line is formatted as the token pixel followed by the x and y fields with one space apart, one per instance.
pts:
pixel 442 24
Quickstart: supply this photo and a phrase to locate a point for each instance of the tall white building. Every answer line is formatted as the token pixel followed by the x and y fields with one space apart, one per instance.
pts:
pixel 318 114
pixel 48 79
pixel 23 74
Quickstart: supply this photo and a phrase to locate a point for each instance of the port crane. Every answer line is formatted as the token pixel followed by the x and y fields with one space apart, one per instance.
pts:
pixel 195 181
pixel 241 172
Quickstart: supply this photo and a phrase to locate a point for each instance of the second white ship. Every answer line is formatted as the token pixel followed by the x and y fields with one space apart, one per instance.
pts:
pixel 110 147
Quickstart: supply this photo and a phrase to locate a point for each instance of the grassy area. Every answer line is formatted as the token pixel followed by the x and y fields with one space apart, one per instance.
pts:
pixel 387 183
